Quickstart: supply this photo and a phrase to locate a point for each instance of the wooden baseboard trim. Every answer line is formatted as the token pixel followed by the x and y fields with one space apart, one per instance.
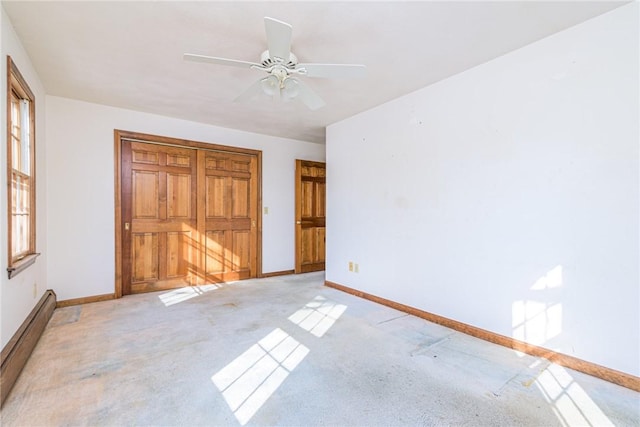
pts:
pixel 17 351
pixel 277 273
pixel 85 300
pixel 621 378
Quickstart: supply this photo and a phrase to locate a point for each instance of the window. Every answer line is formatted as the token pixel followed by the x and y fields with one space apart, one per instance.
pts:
pixel 20 171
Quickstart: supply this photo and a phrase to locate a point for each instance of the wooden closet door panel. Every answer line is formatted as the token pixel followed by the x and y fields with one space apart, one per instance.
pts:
pixel 179 254
pixel 215 197
pixel 146 187
pixel 145 257
pixel 159 185
pixel 178 196
pixel 231 200
pixel 215 253
pixel 241 252
pixel 240 197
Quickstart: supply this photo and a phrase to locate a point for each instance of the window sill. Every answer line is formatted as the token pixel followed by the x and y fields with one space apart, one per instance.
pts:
pixel 22 265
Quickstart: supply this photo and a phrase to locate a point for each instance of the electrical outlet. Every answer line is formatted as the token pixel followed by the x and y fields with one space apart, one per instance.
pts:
pixel 356 268
pixel 350 265
pixel 266 210
pixel 35 290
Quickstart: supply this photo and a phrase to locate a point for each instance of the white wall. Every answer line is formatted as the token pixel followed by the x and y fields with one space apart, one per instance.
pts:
pixel 80 171
pixel 17 297
pixel 505 197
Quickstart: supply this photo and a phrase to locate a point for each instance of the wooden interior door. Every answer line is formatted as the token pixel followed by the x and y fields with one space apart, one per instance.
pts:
pixel 229 211
pixel 189 216
pixel 159 213
pixel 310 216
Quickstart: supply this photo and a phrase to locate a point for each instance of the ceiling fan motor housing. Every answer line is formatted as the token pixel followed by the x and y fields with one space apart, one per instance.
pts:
pixel 267 61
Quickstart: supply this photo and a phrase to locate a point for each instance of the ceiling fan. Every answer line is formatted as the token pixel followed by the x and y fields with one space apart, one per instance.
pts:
pixel 282 67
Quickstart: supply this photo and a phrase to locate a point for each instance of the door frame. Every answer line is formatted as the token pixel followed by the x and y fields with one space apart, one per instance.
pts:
pixel 122 135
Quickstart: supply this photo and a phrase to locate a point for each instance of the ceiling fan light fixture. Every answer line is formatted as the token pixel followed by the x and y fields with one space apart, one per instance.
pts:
pixel 291 88
pixel 270 85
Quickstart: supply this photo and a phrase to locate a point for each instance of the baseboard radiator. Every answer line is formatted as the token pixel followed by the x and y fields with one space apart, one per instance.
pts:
pixel 17 351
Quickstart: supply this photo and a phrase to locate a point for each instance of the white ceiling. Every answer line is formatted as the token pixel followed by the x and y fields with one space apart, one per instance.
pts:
pixel 129 54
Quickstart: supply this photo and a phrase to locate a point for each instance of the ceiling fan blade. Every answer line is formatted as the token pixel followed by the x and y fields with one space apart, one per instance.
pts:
pixel 309 97
pixel 219 61
pixel 334 71
pixel 278 38
pixel 253 90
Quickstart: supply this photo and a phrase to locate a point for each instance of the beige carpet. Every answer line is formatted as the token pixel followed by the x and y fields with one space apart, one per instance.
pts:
pixel 289 351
